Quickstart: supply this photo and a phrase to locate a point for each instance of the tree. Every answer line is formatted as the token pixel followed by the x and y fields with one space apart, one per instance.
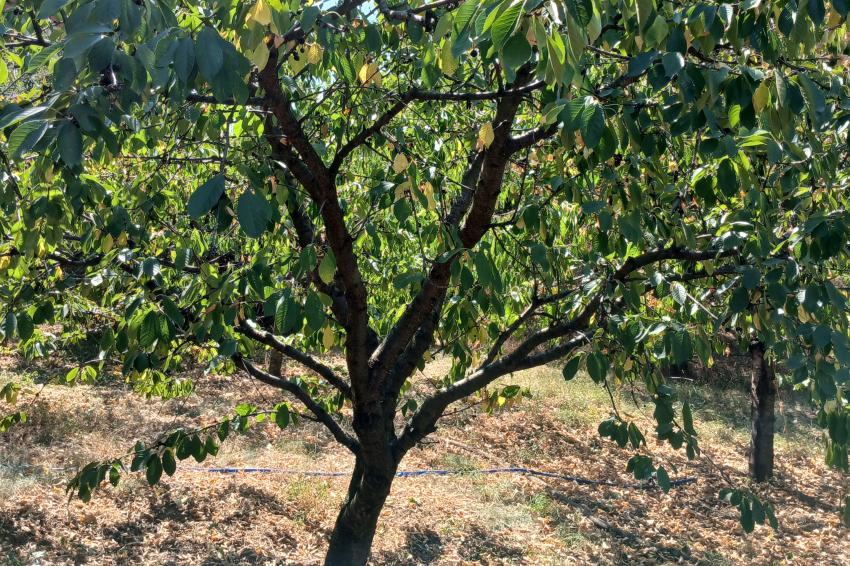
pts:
pixel 508 183
pixel 762 406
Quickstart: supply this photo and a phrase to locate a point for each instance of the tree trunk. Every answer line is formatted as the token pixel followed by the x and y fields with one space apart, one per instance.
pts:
pixel 762 398
pixel 275 363
pixel 351 540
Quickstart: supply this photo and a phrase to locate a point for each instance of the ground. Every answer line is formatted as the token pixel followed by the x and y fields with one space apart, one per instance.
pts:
pixel 198 517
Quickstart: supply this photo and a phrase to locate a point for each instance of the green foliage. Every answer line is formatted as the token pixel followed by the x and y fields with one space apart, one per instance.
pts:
pixel 162 454
pixel 504 183
pixel 753 510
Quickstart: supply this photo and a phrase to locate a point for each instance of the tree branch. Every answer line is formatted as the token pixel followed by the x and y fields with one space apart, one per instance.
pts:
pixel 522 357
pixel 303 358
pixel 286 385
pixel 401 15
pixel 423 95
pixel 493 165
pixel 368 132
pixel 319 183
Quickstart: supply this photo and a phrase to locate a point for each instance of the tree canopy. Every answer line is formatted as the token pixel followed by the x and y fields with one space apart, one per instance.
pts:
pixel 605 184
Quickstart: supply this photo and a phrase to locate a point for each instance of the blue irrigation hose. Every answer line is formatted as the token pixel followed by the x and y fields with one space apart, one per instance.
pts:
pixel 419 473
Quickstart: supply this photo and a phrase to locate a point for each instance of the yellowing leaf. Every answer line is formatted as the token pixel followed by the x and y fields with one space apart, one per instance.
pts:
pixel 5 261
pixel 428 190
pixel 296 64
pixel 327 269
pixel 401 189
pixel 261 13
pixel 486 135
pixel 448 63
pixel 260 56
pixel 328 337
pixel 369 74
pixel 400 163
pixel 363 73
pixel 107 243
pixel 314 53
pixel 760 97
pixel 531 37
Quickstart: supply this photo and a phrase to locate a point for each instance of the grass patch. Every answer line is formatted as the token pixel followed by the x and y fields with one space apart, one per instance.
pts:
pixel 565 523
pixel 459 463
pixel 308 497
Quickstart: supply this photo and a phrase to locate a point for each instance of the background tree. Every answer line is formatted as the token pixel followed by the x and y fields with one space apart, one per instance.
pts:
pixel 507 183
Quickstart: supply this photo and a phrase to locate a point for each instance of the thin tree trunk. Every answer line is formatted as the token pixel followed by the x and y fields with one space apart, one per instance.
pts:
pixel 275 363
pixel 762 399
pixel 351 540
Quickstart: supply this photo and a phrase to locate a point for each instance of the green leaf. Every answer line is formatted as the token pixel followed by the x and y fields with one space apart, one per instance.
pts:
pixel 463 15
pixel 208 45
pixel 288 316
pixel 314 312
pixel 751 277
pixel 149 330
pixel 70 144
pixel 327 269
pixel 504 24
pixel 663 479
pixel 114 475
pixel 516 52
pixel 739 300
pixel 816 11
pixel 172 311
pixel 679 293
pixel 280 312
pixel 657 32
pixel 592 125
pixel 309 17
pixel 13 116
pixel 50 7
pixel 254 214
pixel 26 136
pixel 581 11
pixel 184 59
pixel 815 101
pixel 169 464
pixel 688 419
pixel 727 177
pixel 206 197
pixel 154 469
pixel 64 73
pixel 571 367
pixel 673 63
pixel 10 325
pixel 281 415
pixel 746 519
pixel 597 366
pixel 25 326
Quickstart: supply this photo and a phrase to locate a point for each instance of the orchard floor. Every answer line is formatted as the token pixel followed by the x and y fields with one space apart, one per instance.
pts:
pixel 197 517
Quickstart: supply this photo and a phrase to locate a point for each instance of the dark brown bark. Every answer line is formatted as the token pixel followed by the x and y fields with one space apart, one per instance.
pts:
pixel 354 530
pixel 275 363
pixel 762 400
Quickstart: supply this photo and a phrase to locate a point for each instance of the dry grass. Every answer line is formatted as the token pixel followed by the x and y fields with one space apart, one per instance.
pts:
pixel 469 518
